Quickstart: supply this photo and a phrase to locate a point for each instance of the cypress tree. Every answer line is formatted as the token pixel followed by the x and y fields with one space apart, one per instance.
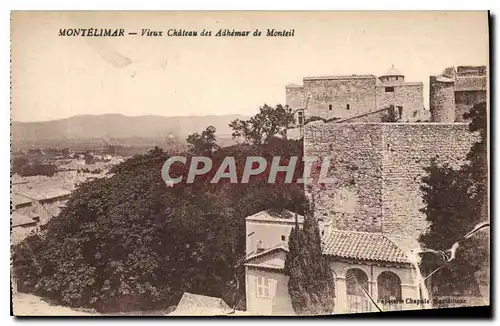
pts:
pixel 310 285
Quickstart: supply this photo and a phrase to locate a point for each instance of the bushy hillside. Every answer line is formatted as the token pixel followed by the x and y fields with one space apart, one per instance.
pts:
pixel 129 242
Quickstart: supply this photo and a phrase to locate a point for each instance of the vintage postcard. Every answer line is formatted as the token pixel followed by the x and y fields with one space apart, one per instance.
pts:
pixel 213 163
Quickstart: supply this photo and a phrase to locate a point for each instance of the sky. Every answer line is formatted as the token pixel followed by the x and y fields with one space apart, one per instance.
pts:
pixel 57 77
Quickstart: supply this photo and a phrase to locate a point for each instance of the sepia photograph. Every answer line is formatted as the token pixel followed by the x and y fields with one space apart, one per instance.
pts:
pixel 250 163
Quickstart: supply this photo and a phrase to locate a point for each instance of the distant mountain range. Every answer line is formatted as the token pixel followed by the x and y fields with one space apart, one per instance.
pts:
pixel 117 126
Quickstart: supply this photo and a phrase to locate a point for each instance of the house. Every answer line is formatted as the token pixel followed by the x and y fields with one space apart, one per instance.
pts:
pixel 22 226
pixel 359 261
pixel 33 208
pixel 23 219
pixel 47 202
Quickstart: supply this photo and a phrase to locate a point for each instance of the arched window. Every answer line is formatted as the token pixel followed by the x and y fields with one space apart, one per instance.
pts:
pixel 356 285
pixel 355 279
pixel 389 290
pixel 389 286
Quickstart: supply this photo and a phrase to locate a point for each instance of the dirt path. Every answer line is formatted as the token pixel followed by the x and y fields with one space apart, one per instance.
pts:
pixel 31 305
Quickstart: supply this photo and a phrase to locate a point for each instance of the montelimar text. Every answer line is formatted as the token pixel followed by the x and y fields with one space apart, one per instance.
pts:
pixel 90 32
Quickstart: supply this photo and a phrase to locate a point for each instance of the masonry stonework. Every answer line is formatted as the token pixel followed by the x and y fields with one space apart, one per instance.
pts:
pixel 353 201
pixel 407 150
pixel 456 91
pixel 339 97
pixel 442 99
pixel 408 96
pixel 377 171
pixel 295 96
pixel 345 97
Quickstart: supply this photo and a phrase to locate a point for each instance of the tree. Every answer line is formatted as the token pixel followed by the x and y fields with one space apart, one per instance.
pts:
pixel 89 158
pixel 456 200
pixel 390 115
pixel 205 143
pixel 310 284
pixel 130 242
pixel 26 167
pixel 262 127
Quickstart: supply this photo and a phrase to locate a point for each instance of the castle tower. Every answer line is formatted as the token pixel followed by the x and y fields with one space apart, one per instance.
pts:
pixel 442 99
pixel 393 76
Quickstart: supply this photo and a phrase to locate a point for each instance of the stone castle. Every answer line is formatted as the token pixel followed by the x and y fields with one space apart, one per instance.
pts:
pixel 367 98
pixel 342 97
pixel 455 91
pixel 378 166
pixel 370 217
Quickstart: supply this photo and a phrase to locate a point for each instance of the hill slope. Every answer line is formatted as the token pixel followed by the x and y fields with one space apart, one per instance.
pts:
pixel 116 126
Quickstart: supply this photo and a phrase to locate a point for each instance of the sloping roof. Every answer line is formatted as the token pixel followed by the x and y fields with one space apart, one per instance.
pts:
pixel 19 200
pixel 276 264
pixel 19 219
pixel 271 216
pixel 196 305
pixel 363 246
pixel 444 79
pixel 282 247
pixel 44 193
pixel 470 83
pixel 17 179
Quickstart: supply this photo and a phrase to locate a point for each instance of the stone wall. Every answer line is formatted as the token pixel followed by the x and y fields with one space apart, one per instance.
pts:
pixel 408 148
pixel 357 92
pixel 409 96
pixel 353 201
pixel 377 170
pixel 295 98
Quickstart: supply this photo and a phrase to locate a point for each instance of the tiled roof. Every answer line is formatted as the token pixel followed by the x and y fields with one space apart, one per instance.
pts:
pixel 16 179
pixel 19 219
pixel 283 247
pixel 470 83
pixel 19 200
pixel 363 246
pixel 44 193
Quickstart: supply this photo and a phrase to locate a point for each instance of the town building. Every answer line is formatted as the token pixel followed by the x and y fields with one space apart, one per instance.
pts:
pixel 24 218
pixel 32 209
pixel 374 261
pixel 456 91
pixel 370 216
pixel 333 98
